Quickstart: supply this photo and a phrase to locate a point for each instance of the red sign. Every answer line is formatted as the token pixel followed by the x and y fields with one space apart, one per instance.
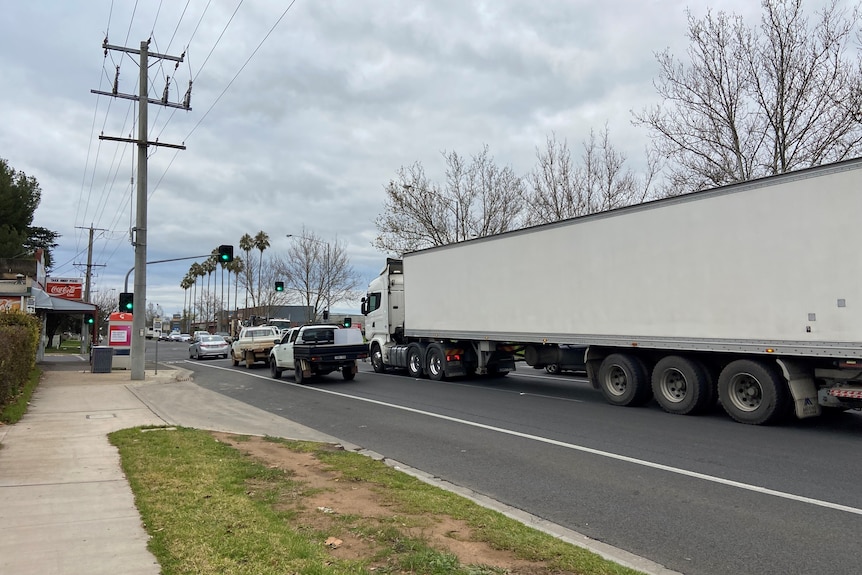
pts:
pixel 65 289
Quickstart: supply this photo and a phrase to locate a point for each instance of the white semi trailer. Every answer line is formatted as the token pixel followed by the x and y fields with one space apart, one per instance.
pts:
pixel 749 294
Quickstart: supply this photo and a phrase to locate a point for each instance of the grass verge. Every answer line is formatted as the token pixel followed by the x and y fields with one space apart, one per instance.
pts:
pixel 211 509
pixel 15 409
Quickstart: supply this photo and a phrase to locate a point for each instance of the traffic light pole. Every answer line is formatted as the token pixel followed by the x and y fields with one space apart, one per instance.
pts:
pixel 128 273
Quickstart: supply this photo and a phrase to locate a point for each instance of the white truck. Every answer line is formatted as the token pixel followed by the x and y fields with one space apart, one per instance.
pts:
pixel 749 294
pixel 254 344
pixel 318 349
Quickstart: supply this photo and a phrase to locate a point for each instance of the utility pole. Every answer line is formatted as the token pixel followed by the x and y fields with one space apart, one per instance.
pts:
pixel 85 335
pixel 139 304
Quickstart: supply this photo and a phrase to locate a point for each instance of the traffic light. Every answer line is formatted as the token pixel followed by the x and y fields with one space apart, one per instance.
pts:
pixel 225 254
pixel 347 322
pixel 90 320
pixel 279 286
pixel 325 315
pixel 126 302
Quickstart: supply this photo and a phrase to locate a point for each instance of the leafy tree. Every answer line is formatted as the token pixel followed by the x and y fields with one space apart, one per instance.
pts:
pixel 752 102
pixel 479 198
pixel 19 197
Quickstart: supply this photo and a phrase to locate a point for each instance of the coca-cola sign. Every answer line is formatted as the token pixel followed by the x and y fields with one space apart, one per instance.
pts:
pixel 65 288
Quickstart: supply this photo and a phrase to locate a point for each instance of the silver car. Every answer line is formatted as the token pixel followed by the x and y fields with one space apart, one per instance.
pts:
pixel 209 346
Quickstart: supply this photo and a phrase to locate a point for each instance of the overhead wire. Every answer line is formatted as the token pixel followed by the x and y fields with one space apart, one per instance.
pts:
pixel 127 201
pixel 226 88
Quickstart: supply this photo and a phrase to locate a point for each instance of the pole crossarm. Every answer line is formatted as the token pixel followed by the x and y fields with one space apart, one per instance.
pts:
pixel 136 98
pixel 107 46
pixel 148 142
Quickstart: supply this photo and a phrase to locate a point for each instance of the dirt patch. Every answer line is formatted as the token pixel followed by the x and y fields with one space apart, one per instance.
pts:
pixel 326 500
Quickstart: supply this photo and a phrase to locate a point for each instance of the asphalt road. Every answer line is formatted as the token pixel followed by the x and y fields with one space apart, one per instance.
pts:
pixel 701 495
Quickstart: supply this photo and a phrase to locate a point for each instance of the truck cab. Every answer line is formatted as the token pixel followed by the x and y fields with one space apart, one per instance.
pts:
pixel 383 308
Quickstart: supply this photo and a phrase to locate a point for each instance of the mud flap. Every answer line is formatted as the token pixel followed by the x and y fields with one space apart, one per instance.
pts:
pixel 802 388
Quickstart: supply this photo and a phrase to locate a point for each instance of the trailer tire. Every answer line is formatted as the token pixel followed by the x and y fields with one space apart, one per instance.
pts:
pixel 347 372
pixel 234 359
pixel 414 361
pixel 274 370
pixel 624 381
pixel 680 385
pixel 553 368
pixel 298 376
pixel 752 392
pixel 435 360
pixel 377 359
pixel 249 359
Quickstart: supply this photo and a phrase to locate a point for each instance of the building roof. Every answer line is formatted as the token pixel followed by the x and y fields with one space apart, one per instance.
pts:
pixel 60 305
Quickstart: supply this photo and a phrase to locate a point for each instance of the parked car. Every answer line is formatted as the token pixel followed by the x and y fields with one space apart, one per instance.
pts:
pixel 208 346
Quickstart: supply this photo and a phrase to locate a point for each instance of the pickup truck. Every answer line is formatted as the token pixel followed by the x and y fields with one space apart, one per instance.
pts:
pixel 313 350
pixel 254 344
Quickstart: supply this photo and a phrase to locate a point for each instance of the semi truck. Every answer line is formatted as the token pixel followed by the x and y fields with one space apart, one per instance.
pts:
pixel 748 295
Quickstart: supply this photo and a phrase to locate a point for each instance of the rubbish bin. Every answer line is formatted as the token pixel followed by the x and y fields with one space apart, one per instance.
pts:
pixel 102 357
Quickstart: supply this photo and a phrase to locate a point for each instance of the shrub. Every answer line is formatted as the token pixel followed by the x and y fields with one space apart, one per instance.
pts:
pixel 19 339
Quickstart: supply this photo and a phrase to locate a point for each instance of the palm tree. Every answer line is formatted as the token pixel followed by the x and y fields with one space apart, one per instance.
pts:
pixel 209 266
pixel 246 244
pixel 194 274
pixel 261 242
pixel 186 284
pixel 185 287
pixel 236 267
pixel 199 272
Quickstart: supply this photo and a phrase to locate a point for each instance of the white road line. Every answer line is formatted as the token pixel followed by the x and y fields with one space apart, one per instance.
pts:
pixel 581 448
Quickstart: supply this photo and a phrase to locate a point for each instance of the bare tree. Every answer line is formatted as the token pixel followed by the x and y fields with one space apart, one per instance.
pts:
pixel 108 302
pixel 561 189
pixel 752 102
pixel 478 199
pixel 318 272
pixel 154 310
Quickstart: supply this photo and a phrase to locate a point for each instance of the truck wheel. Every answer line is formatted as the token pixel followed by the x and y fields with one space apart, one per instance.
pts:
pixel 414 362
pixel 553 368
pixel 347 373
pixel 435 359
pixel 297 372
pixel 752 392
pixel 377 359
pixel 623 380
pixel 274 370
pixel 680 385
pixel 234 359
pixel 249 359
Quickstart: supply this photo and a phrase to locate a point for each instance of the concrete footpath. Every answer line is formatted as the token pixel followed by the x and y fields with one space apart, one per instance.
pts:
pixel 66 507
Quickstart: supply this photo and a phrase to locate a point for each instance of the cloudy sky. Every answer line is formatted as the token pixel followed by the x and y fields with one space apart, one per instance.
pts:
pixel 299 118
